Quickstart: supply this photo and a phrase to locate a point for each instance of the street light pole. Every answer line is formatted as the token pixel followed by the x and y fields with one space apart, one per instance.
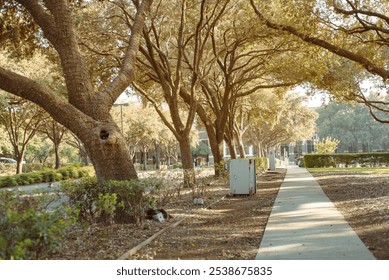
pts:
pixel 121 112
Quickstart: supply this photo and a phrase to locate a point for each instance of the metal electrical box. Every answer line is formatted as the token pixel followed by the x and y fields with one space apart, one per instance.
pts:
pixel 243 176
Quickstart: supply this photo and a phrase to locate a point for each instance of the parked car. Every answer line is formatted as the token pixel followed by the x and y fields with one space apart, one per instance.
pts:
pixel 7 160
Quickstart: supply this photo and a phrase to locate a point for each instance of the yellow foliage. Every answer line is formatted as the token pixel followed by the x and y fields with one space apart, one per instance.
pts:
pixel 327 145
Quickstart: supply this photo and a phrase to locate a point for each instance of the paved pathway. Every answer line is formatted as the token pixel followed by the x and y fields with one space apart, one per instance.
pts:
pixel 304 224
pixel 40 187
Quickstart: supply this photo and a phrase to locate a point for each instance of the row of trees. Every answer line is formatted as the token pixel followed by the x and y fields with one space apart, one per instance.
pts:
pixel 201 58
pixel 350 40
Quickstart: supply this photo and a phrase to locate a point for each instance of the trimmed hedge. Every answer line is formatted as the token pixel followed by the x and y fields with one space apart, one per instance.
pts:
pixel 347 160
pixel 69 172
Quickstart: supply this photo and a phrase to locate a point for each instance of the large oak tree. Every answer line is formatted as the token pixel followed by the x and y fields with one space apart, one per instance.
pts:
pixel 85 111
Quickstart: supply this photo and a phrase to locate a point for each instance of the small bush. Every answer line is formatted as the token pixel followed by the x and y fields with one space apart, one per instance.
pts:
pixel 107 204
pixel 31 167
pixel 36 177
pixel 83 195
pixel 28 230
pixel 130 196
pixel 119 201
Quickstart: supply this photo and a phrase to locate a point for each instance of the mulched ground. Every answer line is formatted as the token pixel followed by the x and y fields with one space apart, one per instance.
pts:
pixel 231 229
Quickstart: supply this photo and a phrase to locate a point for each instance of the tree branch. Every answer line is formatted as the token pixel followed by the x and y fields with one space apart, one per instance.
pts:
pixel 367 64
pixel 48 100
pixel 109 94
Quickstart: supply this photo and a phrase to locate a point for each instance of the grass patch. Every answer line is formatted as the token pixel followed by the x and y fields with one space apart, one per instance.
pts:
pixel 364 170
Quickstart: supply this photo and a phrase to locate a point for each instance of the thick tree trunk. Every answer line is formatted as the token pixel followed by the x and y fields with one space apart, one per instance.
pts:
pixel 108 153
pixel 231 147
pixel 187 162
pixel 84 112
pixel 218 157
pixel 217 150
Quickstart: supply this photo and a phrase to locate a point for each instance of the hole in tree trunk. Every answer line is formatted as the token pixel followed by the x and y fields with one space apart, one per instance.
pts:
pixel 104 135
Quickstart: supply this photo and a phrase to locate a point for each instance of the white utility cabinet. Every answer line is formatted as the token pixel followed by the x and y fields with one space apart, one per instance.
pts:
pixel 243 176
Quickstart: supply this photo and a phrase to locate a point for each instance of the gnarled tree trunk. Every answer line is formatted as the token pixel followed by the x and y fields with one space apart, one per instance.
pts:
pixel 109 154
pixel 84 111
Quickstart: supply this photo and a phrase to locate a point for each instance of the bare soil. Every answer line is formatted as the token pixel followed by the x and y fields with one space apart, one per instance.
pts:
pixel 232 227
pixel 226 227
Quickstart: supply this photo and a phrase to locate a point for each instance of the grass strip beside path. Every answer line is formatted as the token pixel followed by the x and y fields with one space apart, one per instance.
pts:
pixel 364 170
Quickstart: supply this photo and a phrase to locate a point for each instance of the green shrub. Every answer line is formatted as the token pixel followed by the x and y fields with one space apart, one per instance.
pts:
pixel 72 171
pixel 83 195
pixel 130 196
pixel 107 204
pixel 31 167
pixel 8 181
pixel 24 179
pixel 82 173
pixel 347 160
pixel 121 201
pixel 177 166
pixel 54 176
pixel 28 230
pixel 64 173
pixel 36 177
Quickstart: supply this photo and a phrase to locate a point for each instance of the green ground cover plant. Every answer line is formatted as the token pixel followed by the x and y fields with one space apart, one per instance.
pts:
pixel 364 170
pixel 73 171
pixel 27 228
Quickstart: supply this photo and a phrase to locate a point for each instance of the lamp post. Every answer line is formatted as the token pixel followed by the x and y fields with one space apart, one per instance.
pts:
pixel 121 112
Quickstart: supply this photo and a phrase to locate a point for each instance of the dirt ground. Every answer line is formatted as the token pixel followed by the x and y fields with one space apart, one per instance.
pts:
pixel 232 227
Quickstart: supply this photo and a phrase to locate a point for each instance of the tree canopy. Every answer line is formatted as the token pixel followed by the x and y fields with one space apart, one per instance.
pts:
pixel 215 60
pixel 355 31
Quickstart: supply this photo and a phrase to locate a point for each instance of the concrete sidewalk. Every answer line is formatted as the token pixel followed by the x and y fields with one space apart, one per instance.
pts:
pixel 305 225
